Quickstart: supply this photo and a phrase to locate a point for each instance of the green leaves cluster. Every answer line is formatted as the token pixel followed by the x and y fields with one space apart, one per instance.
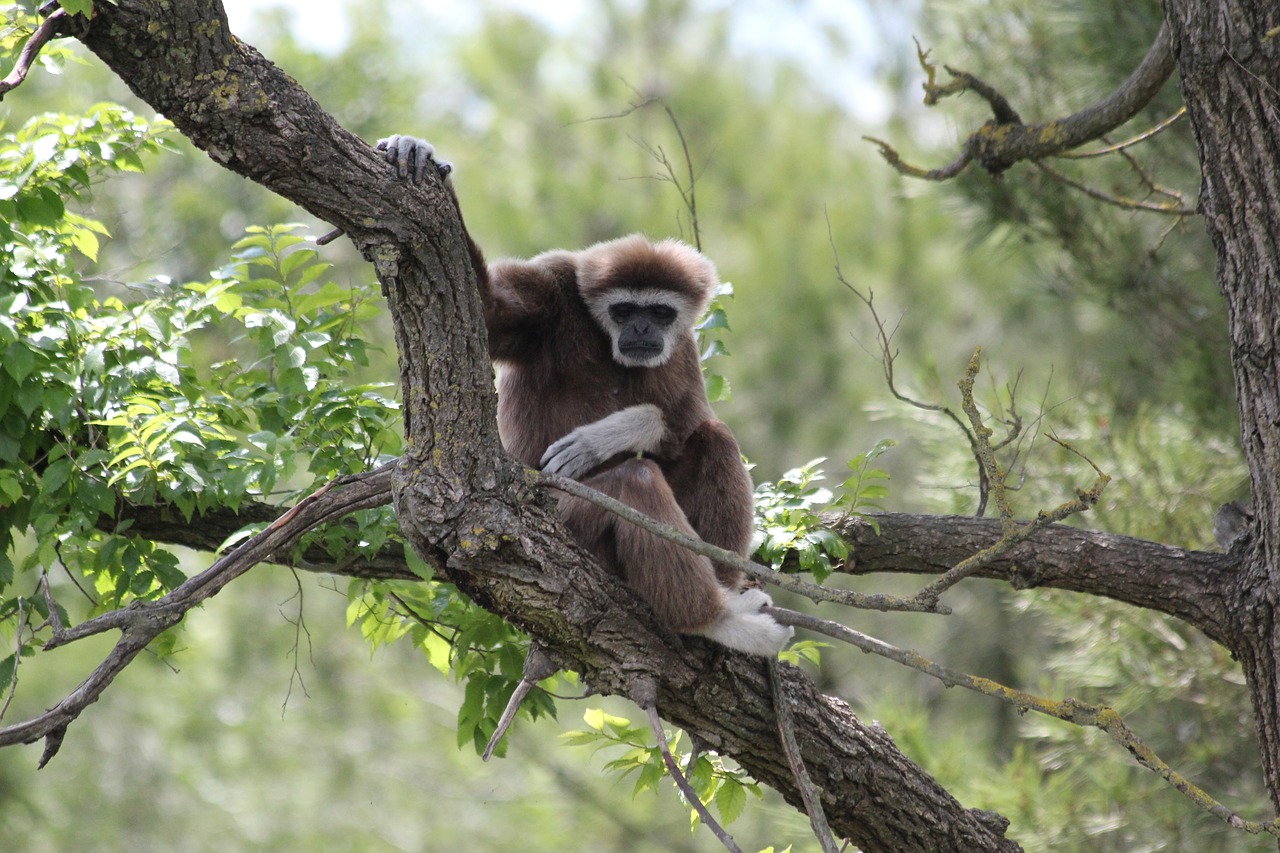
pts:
pixel 188 398
pixel 788 511
pixel 714 782
pixel 457 637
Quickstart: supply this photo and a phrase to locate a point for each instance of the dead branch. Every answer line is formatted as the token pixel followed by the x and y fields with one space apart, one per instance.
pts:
pixel 1128 143
pixel 1115 200
pixel 1012 533
pixel 888 355
pixel 651 712
pixel 809 792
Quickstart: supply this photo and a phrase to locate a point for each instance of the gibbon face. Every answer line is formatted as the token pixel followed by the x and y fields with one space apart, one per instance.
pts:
pixel 643 325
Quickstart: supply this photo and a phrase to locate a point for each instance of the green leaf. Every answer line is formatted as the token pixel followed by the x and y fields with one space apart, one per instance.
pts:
pixel 55 476
pixel 598 719
pixel 731 799
pixel 19 360
pixel 717 319
pixel 44 207
pixel 718 390
pixel 650 775
pixel 77 7
pixel 581 738
pixel 10 487
pixel 7 668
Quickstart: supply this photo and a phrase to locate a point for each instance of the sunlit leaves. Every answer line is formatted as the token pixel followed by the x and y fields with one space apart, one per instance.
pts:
pixel 457 638
pixel 788 521
pixel 189 397
pixel 714 782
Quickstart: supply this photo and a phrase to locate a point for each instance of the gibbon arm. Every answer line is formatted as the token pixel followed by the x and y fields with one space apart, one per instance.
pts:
pixel 637 429
pixel 520 297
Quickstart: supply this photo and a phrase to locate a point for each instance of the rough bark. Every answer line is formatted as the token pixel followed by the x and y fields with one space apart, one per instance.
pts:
pixel 461 502
pixel 1229 71
pixel 1195 586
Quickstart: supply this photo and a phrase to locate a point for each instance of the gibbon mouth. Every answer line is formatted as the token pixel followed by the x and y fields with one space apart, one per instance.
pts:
pixel 640 352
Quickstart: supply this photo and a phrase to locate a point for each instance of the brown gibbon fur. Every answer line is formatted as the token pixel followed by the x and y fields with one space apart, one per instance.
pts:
pixel 599 379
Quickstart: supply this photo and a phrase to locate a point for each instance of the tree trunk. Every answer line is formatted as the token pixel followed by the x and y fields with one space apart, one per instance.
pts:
pixel 1229 68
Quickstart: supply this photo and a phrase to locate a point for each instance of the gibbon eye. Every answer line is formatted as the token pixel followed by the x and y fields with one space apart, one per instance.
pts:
pixel 620 311
pixel 663 313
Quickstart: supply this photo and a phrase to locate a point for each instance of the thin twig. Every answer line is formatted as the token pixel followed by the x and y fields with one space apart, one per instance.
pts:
pixel 683 784
pixel 943 173
pixel 299 631
pixel 981 436
pixel 41 36
pixel 538 666
pixel 1069 710
pixel 17 656
pixel 1128 143
pixel 888 356
pixel 1117 201
pixel 809 792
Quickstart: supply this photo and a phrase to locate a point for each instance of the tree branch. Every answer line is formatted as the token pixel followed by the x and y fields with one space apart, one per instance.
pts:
pixel 206 531
pixel 1070 710
pixel 1195 586
pixel 142 622
pixel 1006 139
pixel 48 30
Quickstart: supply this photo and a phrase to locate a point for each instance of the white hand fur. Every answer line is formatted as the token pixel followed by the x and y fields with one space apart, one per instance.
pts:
pixel 633 430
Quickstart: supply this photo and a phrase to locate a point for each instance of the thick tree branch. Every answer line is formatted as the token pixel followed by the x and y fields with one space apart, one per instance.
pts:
pixel 1191 585
pixel 1195 586
pixel 206 531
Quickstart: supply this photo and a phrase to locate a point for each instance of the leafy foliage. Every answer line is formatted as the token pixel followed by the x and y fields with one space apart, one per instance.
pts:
pixel 789 520
pixel 713 781
pixel 457 637
pixel 192 397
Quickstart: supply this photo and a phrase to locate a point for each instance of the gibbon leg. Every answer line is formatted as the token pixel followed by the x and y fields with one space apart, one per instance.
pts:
pixel 713 488
pixel 679 585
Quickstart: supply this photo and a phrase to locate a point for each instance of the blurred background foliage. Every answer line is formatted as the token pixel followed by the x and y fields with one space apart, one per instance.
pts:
pixel 1107 319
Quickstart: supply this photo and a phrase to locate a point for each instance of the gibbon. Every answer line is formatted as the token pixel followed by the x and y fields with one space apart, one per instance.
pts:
pixel 599 380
